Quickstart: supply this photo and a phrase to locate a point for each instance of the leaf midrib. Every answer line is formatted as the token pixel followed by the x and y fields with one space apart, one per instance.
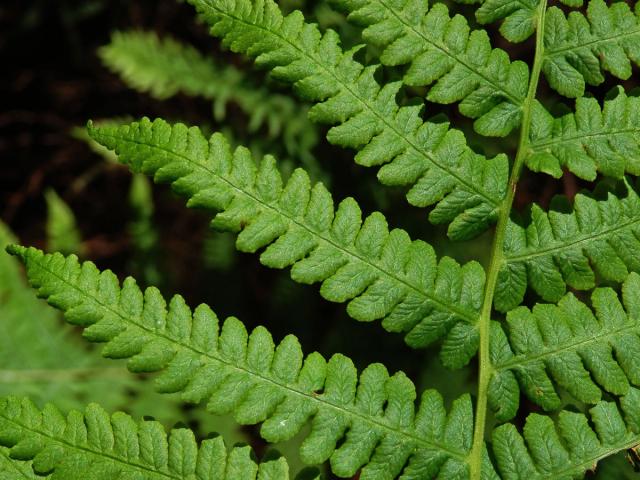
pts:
pixel 550 52
pixel 524 257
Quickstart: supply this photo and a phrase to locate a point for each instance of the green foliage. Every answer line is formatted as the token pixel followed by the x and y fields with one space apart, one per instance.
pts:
pixel 519 17
pixel 11 469
pixel 589 141
pixel 570 445
pixel 568 346
pixel 96 445
pixel 579 48
pixel 165 67
pixel 55 366
pixel 383 274
pixel 574 358
pixel 430 157
pixel 62 232
pixel 442 50
pixel 258 381
pixel 559 248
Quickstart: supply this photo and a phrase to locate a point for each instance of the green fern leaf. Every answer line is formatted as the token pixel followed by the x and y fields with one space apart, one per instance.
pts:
pixel 569 446
pixel 558 249
pixel 569 346
pixel 589 141
pixel 383 274
pixel 579 48
pixel 442 50
pixel 367 422
pixel 96 445
pixel 434 160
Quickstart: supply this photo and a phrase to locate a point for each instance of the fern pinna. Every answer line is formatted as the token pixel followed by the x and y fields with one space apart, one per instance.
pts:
pixel 552 321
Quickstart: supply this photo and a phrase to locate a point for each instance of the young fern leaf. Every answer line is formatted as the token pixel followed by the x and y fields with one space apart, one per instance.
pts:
pixel 569 446
pixel 578 47
pixel 558 249
pixel 435 161
pixel 383 274
pixel 367 422
pixel 591 140
pixel 165 67
pixel 442 50
pixel 62 230
pixel 100 446
pixel 569 346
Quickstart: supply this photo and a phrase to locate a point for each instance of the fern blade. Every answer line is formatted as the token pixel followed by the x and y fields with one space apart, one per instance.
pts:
pixel 367 115
pixel 241 373
pixel 383 274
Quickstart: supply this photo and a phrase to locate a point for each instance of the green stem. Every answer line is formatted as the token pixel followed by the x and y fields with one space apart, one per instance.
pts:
pixel 497 253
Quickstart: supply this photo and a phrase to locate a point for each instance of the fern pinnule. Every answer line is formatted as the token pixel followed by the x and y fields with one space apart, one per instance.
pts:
pixel 435 161
pixel 519 17
pixel 93 444
pixel 249 376
pixel 381 273
pixel 441 50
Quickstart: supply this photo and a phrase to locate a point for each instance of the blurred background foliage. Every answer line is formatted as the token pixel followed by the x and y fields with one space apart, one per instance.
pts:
pixel 61 192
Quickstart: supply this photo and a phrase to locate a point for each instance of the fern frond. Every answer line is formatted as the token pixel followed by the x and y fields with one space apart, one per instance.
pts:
pixel 579 48
pixel 591 140
pixel 249 375
pixel 442 50
pixel 434 160
pixel 558 249
pixel 164 67
pixel 569 446
pixel 570 346
pixel 383 274
pixel 100 446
